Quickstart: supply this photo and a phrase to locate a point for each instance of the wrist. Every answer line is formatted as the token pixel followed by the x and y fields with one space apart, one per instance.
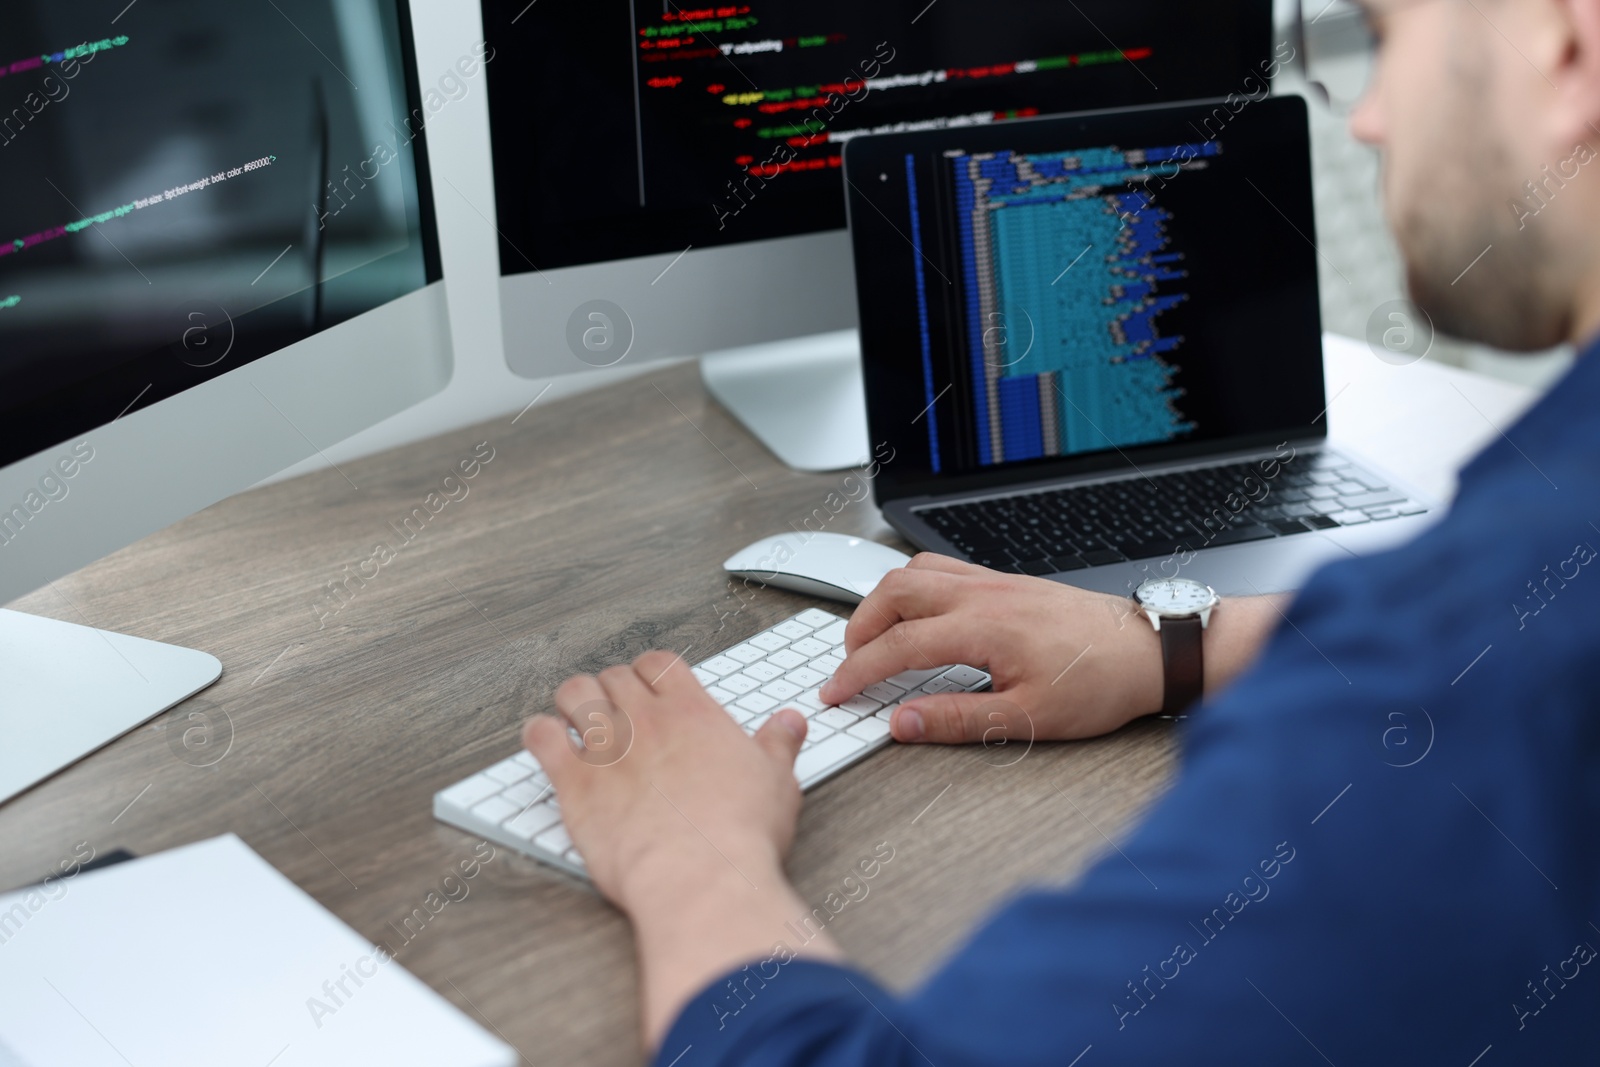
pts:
pixel 669 875
pixel 1239 628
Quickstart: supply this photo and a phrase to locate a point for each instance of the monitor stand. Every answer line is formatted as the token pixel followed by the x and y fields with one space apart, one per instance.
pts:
pixel 802 398
pixel 69 689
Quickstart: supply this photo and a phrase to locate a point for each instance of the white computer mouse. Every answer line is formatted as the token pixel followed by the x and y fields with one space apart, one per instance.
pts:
pixel 835 566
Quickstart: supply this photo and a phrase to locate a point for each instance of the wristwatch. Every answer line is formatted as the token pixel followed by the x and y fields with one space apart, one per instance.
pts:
pixel 1179 609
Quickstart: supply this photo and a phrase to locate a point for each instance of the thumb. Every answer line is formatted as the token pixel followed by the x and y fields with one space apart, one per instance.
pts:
pixel 959 719
pixel 781 735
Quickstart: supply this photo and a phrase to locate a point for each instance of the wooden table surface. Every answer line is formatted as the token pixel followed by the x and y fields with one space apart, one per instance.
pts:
pixel 595 532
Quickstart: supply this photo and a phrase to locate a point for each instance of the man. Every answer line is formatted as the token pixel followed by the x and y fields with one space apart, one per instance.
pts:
pixel 1317 904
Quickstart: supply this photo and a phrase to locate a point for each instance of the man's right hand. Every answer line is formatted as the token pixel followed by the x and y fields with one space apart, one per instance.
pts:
pixel 1066 663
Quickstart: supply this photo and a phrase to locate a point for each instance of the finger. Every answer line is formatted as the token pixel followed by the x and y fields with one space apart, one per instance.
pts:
pixel 625 689
pixel 934 561
pixel 574 694
pixel 546 737
pixel 913 644
pixel 960 719
pixel 901 594
pixel 667 675
pixel 781 736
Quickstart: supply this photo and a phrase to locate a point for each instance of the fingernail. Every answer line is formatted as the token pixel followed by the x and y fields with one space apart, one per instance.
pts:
pixel 910 723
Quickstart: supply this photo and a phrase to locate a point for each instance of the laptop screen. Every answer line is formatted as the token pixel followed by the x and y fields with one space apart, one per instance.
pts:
pixel 1086 292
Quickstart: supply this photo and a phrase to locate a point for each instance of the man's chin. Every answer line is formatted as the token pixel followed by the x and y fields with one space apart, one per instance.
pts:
pixel 1488 310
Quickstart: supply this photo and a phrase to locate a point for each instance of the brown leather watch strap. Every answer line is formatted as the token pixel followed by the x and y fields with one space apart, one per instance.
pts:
pixel 1184 668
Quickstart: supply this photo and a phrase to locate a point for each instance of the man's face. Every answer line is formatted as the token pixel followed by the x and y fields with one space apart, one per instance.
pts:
pixel 1454 106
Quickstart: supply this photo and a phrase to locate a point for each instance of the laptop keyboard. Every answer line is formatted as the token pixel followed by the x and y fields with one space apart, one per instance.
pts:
pixel 1150 517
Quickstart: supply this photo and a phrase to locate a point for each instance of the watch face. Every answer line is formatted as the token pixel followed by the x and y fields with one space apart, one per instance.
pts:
pixel 1175 596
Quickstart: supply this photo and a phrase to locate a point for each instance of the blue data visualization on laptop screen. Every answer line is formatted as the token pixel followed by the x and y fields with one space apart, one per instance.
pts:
pixel 1106 285
pixel 1045 341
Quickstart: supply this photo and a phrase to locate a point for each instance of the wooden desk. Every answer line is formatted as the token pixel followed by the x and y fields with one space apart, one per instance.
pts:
pixel 595 532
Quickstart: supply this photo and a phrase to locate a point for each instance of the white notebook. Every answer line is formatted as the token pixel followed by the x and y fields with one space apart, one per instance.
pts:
pixel 207 956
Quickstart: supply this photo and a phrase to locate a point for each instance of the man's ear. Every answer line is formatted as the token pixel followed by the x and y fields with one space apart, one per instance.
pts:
pixel 1574 70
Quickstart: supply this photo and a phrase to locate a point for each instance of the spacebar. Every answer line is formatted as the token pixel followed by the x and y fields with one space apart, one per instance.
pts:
pixel 825 754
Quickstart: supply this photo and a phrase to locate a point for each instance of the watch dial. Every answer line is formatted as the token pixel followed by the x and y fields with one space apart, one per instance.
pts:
pixel 1175 596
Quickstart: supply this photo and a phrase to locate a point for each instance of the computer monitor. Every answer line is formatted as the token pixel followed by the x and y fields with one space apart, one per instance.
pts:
pixel 217 257
pixel 667 176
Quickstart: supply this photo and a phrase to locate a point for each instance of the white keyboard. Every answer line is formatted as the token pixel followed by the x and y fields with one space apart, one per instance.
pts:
pixel 511 802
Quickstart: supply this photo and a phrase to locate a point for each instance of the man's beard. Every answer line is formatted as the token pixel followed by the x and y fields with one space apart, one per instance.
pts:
pixel 1469 267
pixel 1499 300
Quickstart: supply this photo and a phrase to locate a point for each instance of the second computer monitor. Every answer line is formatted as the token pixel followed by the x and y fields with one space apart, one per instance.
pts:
pixel 668 177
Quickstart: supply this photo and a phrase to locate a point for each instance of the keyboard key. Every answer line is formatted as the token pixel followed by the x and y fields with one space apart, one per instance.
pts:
pixel 495 810
pixel 575 858
pixel 810 646
pixel 746 653
pixel 756 703
pixel 526 792
pixel 837 718
pixel 883 692
pixel 1412 509
pixel 1379 514
pixel 526 759
pixel 740 684
pixel 739 715
pixel 721 665
pixel 794 630
pixel 508 771
pixel 861 705
pixel 720 695
pixel 824 755
pixel 832 634
pixel 781 690
pixel 912 679
pixel 1099 557
pixel 704 677
pixel 1326 507
pixel 815 617
pixel 1285 527
pixel 1371 500
pixel 885 713
pixel 769 641
pixel 1349 518
pixel 1234 535
pixel 828 665
pixel 939 685
pixel 805 677
pixel 554 840
pixel 536 820
pixel 466 793
pixel 809 700
pixel 1319 522
pixel 869 729
pixel 763 672
pixel 787 659
pixel 965 676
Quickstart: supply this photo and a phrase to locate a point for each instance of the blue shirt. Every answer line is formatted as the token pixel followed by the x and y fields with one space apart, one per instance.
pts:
pixel 1382 847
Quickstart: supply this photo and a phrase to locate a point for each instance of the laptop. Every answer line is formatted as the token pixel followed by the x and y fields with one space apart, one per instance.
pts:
pixel 1092 349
